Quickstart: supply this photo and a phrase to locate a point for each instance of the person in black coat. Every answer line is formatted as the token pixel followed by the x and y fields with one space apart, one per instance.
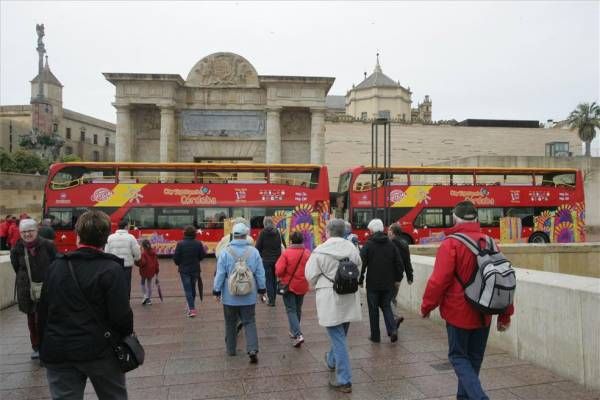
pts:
pixel 395 235
pixel 188 254
pixel 382 259
pixel 73 347
pixel 269 244
pixel 40 253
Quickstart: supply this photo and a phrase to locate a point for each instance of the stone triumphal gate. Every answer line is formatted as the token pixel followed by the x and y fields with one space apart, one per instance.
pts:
pixel 223 111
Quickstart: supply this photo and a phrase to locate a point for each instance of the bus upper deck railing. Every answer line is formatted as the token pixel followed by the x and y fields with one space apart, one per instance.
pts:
pixel 367 186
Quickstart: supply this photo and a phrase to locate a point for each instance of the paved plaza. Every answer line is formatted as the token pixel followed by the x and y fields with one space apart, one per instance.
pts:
pixel 185 358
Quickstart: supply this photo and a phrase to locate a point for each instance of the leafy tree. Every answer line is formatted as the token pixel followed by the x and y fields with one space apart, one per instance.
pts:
pixel 585 118
pixel 29 163
pixel 7 162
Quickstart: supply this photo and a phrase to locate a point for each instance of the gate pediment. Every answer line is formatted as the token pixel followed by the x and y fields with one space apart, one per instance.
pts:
pixel 223 70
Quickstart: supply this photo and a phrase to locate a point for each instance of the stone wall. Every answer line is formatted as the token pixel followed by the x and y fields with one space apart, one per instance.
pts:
pixel 21 193
pixel 555 323
pixel 582 259
pixel 417 144
pixel 7 282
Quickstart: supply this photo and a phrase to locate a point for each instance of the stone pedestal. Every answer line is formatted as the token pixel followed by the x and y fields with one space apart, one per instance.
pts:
pixel 317 136
pixel 123 140
pixel 273 153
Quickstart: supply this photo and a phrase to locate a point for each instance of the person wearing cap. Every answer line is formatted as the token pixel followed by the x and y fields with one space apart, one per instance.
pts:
pixel 467 328
pixel 124 245
pixel 30 257
pixel 239 307
pixel 224 242
pixel 188 254
pixel 382 259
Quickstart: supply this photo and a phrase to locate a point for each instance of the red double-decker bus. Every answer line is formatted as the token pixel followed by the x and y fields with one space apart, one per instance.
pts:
pixel 536 205
pixel 159 199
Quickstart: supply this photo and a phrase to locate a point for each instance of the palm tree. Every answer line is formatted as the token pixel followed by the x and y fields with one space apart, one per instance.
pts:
pixel 585 118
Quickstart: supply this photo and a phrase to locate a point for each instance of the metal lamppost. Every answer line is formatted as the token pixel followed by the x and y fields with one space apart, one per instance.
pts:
pixel 380 169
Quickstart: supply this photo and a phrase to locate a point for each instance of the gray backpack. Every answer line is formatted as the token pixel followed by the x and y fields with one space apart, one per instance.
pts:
pixel 241 279
pixel 491 287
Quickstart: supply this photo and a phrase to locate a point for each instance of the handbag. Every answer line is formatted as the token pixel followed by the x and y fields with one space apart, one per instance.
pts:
pixel 284 288
pixel 129 351
pixel 35 288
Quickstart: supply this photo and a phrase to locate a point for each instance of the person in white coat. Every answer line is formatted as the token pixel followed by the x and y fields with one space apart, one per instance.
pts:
pixel 124 245
pixel 335 311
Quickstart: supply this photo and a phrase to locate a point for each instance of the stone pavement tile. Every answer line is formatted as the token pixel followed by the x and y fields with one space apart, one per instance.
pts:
pixel 361 391
pixel 501 394
pixel 500 360
pixel 398 390
pixel 436 385
pixel 532 374
pixel 285 395
pixel 151 368
pixel 17 380
pixel 317 379
pixel 273 384
pixel 303 368
pixel 498 378
pixel 161 393
pixel 197 364
pixel 20 367
pixel 545 391
pixel 579 391
pixel 144 382
pixel 421 346
pixel 206 390
pixel 187 378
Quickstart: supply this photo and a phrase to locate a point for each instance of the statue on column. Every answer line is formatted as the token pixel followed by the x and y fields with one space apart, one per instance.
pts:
pixel 41 49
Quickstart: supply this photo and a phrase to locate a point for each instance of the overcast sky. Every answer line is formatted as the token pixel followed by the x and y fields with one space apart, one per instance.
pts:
pixel 509 60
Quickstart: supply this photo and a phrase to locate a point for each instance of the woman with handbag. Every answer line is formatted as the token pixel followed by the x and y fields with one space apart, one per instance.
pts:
pixel 30 258
pixel 292 284
pixel 86 323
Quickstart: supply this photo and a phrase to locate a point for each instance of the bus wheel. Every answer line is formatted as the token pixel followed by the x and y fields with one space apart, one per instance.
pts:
pixel 406 238
pixel 539 237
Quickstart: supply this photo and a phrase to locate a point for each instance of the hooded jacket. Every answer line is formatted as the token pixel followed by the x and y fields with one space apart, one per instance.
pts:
pixel 445 291
pixel 225 265
pixel 269 244
pixel 290 268
pixel 123 245
pixel 332 308
pixel 383 260
pixel 148 263
pixel 68 329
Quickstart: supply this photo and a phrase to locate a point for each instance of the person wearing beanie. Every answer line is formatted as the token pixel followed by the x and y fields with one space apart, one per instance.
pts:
pixel 467 328
pixel 30 258
pixel 239 307
pixel 385 268
pixel 188 254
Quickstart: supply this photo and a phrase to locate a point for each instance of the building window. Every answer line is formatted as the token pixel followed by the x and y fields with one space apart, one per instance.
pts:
pixel 68 133
pixel 95 139
pixel 96 155
pixel 54 127
pixel 363 115
pixel 557 149
pixel 106 141
pixel 82 136
pixel 68 150
pixel 384 114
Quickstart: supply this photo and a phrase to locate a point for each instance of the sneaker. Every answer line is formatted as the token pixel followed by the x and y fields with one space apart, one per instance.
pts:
pixel 399 321
pixel 144 302
pixel 343 388
pixel 394 337
pixel 264 298
pixel 253 357
pixel 148 302
pixel 35 355
pixel 192 313
pixel 327 363
pixel 298 341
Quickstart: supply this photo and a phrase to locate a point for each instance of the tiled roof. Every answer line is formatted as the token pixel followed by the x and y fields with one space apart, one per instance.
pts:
pixel 377 79
pixel 48 77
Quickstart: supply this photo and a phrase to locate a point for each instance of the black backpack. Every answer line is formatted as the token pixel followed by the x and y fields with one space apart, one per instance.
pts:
pixel 346 277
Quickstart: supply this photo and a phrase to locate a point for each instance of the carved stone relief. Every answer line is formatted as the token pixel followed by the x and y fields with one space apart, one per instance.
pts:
pixel 223 69
pixel 295 123
pixel 147 121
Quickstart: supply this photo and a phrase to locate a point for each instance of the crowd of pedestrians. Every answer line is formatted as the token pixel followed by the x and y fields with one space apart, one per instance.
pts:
pixel 73 299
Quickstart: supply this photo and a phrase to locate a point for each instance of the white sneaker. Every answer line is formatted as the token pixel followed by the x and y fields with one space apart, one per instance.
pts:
pixel 298 341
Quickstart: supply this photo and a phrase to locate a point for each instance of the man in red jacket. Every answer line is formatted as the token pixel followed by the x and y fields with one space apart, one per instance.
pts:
pixel 467 328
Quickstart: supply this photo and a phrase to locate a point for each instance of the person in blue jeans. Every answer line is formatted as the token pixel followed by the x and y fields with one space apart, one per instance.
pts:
pixel 335 311
pixel 467 328
pixel 239 307
pixel 188 254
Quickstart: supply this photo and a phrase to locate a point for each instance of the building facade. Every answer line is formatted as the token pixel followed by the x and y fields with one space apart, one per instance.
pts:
pixel 223 111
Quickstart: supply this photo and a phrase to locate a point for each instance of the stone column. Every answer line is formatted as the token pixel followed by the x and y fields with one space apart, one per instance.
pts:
pixel 168 141
pixel 317 136
pixel 273 153
pixel 123 136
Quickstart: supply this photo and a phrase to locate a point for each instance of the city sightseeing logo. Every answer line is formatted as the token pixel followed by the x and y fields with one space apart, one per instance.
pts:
pixel 101 194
